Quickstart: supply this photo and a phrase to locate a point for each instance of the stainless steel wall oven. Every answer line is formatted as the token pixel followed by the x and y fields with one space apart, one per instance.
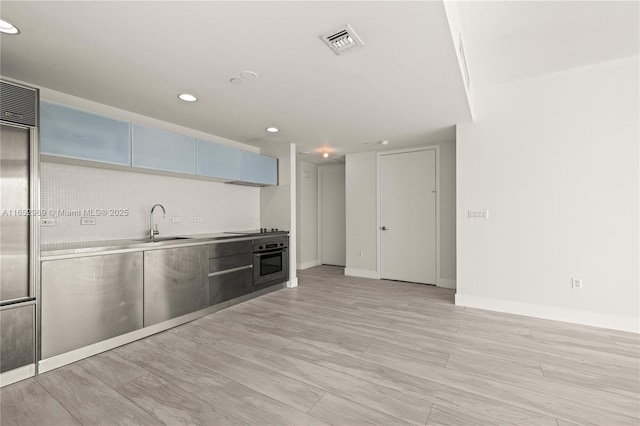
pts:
pixel 270 261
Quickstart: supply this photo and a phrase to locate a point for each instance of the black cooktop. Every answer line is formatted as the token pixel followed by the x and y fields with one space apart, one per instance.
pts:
pixel 261 231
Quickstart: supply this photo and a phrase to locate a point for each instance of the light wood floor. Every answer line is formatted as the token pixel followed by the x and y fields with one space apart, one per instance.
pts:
pixel 346 351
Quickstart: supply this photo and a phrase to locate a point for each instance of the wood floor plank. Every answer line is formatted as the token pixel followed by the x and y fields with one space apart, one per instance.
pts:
pixel 171 405
pixel 339 411
pixel 544 385
pixel 442 394
pixel 510 390
pixel 346 350
pixel 411 408
pixel 627 387
pixel 112 369
pixel 27 403
pixel 255 408
pixel 292 392
pixel 91 401
pixel 200 381
pixel 441 416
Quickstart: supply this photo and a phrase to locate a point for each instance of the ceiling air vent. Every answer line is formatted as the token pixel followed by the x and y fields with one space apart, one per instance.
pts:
pixel 342 40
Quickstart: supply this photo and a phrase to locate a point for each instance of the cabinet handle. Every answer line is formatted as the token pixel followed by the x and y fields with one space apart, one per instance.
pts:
pixel 228 271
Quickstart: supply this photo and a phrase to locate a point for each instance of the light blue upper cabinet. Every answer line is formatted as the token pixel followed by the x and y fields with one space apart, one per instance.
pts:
pixel 160 150
pixel 259 169
pixel 219 161
pixel 68 132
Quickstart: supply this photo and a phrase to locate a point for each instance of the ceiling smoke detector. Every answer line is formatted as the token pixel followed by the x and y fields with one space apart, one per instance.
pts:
pixel 342 40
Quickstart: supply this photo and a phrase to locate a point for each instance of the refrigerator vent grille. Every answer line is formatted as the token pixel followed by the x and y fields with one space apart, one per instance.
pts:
pixel 18 104
pixel 342 40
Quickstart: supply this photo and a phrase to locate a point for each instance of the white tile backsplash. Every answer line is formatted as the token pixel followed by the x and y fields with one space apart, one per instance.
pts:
pixel 222 207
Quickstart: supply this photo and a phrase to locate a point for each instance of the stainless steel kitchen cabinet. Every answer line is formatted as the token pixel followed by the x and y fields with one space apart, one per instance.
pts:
pixel 229 285
pixel 175 283
pixel 16 335
pixel 230 271
pixel 89 299
pixel 72 133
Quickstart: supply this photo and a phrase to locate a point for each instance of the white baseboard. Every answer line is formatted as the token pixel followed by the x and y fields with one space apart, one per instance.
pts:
pixel 447 283
pixel 613 322
pixel 292 283
pixel 362 273
pixel 305 265
pixel 15 375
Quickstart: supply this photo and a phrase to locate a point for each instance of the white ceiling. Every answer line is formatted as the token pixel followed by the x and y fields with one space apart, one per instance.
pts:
pixel 403 85
pixel 512 40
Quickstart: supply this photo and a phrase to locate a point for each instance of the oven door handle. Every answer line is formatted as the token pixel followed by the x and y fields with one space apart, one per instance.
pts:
pixel 264 253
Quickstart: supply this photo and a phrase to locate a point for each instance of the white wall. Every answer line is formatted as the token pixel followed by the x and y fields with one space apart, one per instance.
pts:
pixel 69 187
pixel 307 215
pixel 555 161
pixel 332 214
pixel 361 206
pixel 278 203
pixel 361 214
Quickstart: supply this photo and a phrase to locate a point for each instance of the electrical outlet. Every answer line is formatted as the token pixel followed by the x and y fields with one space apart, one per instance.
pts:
pixel 576 283
pixel 88 221
pixel 197 219
pixel 47 222
pixel 176 219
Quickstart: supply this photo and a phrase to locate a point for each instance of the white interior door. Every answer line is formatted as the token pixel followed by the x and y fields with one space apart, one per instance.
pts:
pixel 333 238
pixel 408 216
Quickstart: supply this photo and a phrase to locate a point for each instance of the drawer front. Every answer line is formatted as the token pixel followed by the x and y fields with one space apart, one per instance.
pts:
pixel 230 249
pixel 229 286
pixel 229 262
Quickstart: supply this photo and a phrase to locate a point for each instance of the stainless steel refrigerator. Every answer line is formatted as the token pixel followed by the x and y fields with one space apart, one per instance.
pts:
pixel 19 223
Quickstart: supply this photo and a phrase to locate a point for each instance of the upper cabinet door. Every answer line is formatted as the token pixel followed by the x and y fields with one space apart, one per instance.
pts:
pixel 160 150
pixel 67 132
pixel 219 161
pixel 259 169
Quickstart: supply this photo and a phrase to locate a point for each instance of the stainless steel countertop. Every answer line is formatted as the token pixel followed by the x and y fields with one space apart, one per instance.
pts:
pixel 66 250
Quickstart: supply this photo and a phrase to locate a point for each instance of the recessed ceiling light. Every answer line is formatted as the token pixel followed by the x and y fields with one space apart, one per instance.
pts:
pixel 8 28
pixel 326 154
pixel 272 129
pixel 187 97
pixel 384 142
pixel 248 75
pixel 235 80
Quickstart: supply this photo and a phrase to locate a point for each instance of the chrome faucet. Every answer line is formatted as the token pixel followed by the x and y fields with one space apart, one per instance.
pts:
pixel 153 231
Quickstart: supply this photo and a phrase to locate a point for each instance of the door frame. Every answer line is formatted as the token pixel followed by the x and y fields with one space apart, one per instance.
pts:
pixel 379 154
pixel 321 170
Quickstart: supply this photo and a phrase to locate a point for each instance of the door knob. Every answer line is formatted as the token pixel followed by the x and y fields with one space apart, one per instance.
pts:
pixel 383 228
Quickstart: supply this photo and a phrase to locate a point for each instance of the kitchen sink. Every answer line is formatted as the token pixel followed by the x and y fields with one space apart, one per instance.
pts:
pixel 160 239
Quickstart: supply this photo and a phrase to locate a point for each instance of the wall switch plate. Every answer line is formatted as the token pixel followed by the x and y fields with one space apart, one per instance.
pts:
pixel 47 222
pixel 176 219
pixel 88 221
pixel 361 253
pixel 197 219
pixel 477 214
pixel 576 283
